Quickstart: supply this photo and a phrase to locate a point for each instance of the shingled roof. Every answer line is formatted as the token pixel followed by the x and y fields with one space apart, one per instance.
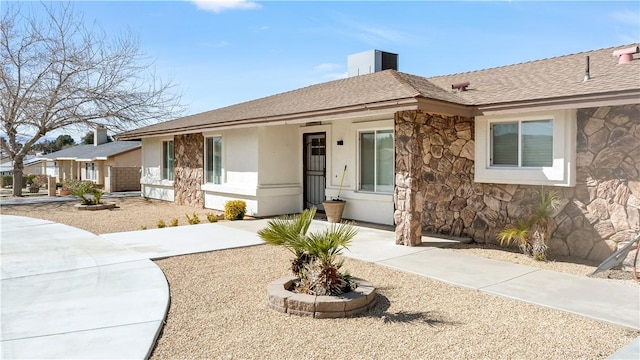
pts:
pixel 548 78
pixel 559 77
pixel 93 152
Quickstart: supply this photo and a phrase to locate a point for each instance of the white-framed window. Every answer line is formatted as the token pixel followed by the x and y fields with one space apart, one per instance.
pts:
pixel 213 156
pixel 168 160
pixel 522 143
pixel 529 149
pixel 90 171
pixel 376 160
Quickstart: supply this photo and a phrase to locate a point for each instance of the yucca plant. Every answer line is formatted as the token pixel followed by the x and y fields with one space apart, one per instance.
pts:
pixel 518 233
pixel 315 255
pixel 533 234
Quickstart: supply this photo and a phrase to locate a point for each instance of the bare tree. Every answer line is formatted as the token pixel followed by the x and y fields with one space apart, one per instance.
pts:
pixel 58 73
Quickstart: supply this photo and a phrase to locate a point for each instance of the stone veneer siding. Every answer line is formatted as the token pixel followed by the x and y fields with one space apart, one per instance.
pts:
pixel 435 191
pixel 189 169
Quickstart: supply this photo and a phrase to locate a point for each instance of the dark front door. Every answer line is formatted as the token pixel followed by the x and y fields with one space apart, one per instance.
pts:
pixel 314 169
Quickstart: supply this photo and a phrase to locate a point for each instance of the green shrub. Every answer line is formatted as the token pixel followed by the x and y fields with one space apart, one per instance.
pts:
pixel 143 227
pixel 194 219
pixel 235 209
pixel 174 222
pixel 161 224
pixel 212 217
pixel 7 180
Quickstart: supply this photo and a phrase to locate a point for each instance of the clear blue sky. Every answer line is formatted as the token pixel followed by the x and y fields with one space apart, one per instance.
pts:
pixel 220 56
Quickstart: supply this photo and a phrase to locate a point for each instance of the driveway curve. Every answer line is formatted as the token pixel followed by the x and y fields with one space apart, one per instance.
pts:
pixel 68 293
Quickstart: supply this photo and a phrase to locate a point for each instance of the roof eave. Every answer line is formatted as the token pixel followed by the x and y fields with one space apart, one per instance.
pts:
pixel 447 108
pixel 613 98
pixel 286 119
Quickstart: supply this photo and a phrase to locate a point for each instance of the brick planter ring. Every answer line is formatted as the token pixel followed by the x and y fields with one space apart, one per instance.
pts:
pixel 353 303
pixel 102 206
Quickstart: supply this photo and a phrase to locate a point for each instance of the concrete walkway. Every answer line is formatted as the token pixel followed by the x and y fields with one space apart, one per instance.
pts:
pixel 69 294
pixel 618 304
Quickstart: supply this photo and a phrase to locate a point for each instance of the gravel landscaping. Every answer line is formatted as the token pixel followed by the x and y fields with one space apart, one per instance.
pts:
pixel 219 310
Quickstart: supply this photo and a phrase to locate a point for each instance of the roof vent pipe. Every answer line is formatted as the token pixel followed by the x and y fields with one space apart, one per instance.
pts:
pixel 587 76
pixel 462 86
pixel 625 56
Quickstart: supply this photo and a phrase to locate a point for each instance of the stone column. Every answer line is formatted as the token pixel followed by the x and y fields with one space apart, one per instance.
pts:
pixel 407 197
pixel 189 169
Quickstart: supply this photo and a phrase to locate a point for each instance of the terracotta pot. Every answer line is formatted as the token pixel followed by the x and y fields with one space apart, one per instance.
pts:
pixel 334 209
pixel 64 192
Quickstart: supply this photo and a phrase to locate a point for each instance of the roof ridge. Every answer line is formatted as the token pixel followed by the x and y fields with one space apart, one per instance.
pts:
pixel 531 61
pixel 398 75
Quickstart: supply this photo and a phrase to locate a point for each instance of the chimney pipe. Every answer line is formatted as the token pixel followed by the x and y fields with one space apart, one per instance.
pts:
pixel 587 76
pixel 625 56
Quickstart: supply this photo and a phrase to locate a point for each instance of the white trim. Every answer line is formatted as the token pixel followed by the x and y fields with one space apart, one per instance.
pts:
pixel 371 126
pixel 561 173
pixel 222 158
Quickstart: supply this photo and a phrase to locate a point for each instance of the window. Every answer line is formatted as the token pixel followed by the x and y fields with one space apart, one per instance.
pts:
pixel 167 160
pixel 90 171
pixel 536 148
pixel 522 143
pixel 376 161
pixel 214 159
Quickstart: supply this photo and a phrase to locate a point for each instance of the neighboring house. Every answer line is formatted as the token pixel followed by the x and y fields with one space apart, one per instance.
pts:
pixel 459 154
pixel 32 165
pixel 113 165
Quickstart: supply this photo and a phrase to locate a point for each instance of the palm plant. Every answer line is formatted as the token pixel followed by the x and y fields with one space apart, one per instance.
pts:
pixel 81 188
pixel 315 260
pixel 533 234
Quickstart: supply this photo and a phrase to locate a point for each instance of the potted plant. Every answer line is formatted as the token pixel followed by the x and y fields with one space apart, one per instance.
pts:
pixel 335 207
pixel 36 182
pixel 64 189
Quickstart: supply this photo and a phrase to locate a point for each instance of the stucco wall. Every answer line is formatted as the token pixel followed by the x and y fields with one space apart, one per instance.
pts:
pixel 152 185
pixel 595 218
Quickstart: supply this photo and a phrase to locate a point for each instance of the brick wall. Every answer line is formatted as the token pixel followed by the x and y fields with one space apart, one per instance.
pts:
pixel 124 179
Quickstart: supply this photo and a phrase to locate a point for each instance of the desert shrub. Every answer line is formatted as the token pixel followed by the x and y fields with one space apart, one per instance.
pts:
pixel 174 222
pixel 211 217
pixel 143 227
pixel 193 220
pixel 533 234
pixel 235 209
pixel 160 224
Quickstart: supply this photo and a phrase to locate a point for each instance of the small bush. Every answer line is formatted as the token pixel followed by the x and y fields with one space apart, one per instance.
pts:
pixel 160 224
pixel 7 180
pixel 143 227
pixel 211 217
pixel 174 222
pixel 194 219
pixel 235 209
